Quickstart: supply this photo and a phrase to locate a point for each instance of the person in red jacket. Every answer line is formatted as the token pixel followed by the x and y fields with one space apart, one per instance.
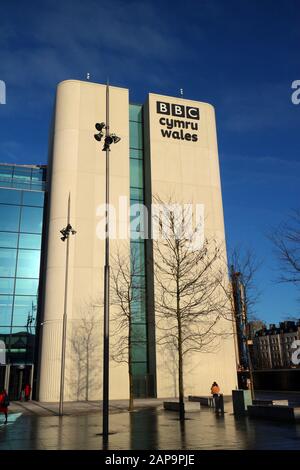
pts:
pixel 4 404
pixel 27 391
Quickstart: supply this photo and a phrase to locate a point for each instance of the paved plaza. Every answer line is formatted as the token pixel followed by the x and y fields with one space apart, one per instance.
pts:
pixel 36 425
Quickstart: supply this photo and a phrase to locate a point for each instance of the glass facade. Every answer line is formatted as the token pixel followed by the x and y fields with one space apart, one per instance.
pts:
pixel 21 222
pixel 139 359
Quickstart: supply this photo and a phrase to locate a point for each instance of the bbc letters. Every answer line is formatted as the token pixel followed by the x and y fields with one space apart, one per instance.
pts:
pixel 178 121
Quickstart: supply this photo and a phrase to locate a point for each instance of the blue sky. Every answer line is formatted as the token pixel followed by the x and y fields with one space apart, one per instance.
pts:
pixel 240 55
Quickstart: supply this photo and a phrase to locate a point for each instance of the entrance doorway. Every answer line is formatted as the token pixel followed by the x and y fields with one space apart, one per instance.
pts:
pixel 13 378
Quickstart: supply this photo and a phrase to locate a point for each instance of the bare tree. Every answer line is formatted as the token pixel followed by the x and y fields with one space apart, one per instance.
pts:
pixel 188 300
pixel 85 343
pixel 286 240
pixel 244 265
pixel 243 296
pixel 127 293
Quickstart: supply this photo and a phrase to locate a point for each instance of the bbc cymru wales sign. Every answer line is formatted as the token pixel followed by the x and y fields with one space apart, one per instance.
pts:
pixel 178 121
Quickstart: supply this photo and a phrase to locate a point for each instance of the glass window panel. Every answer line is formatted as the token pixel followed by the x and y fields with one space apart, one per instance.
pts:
pixel 136 194
pixel 25 308
pixel 137 154
pixel 139 368
pixel 9 196
pixel 27 286
pixel 7 285
pixel 5 184
pixel 20 185
pixel 138 281
pixel 37 186
pixel 137 253
pixel 139 352
pixel 6 303
pixel 136 112
pixel 31 219
pixel 9 218
pixel 19 338
pixel 6 170
pixel 139 332
pixel 138 213
pixel 8 240
pixel 38 174
pixel 30 241
pixel 33 198
pixel 136 135
pixel 7 262
pixel 28 263
pixel 136 173
pixel 138 310
pixel 4 334
pixel 22 173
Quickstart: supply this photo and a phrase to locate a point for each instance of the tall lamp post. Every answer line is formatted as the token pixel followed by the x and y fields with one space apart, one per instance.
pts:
pixel 108 140
pixel 65 236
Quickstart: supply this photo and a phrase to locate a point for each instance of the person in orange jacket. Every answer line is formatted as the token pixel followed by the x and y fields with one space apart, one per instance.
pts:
pixel 215 391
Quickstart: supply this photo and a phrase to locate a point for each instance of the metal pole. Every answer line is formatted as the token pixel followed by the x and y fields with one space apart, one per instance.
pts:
pixel 106 293
pixel 64 329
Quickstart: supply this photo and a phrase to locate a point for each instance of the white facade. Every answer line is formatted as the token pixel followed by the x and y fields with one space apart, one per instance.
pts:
pixel 181 165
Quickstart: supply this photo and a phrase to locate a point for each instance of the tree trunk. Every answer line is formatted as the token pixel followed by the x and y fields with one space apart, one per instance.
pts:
pixel 87 375
pixel 130 408
pixel 180 358
pixel 130 391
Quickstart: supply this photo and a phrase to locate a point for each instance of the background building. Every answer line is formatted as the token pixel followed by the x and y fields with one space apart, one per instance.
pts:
pixel 22 190
pixel 272 346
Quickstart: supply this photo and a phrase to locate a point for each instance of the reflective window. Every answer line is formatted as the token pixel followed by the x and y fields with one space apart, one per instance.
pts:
pixel 138 281
pixel 136 112
pixel 38 186
pixel 6 303
pixel 27 286
pixel 136 173
pixel 30 241
pixel 137 254
pixel 137 154
pixel 4 334
pixel 7 285
pixel 137 221
pixel 136 135
pixel 139 332
pixel 6 171
pixel 139 351
pixel 7 262
pixel 28 263
pixel 25 308
pixel 9 218
pixel 136 194
pixel 31 219
pixel 33 198
pixel 139 368
pixel 22 175
pixel 138 310
pixel 9 196
pixel 8 240
pixel 38 174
